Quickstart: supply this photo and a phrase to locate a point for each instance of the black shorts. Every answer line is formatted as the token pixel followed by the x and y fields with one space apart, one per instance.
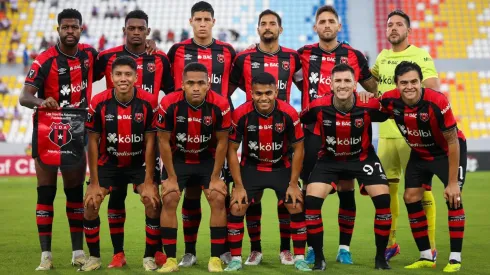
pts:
pixel 157 174
pixel 367 172
pixel 420 172
pixel 255 182
pixel 118 177
pixel 192 174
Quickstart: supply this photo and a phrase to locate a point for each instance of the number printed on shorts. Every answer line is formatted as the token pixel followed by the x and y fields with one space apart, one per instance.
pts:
pixel 369 169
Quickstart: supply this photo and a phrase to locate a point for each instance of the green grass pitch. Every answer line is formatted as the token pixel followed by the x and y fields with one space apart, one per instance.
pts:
pixel 20 251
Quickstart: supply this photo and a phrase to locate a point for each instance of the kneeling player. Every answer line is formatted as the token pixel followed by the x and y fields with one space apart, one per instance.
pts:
pixel 346 150
pixel 425 119
pixel 121 145
pixel 266 127
pixel 193 132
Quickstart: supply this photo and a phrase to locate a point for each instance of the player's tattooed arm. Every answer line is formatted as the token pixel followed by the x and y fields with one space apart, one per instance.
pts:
pixel 452 192
pixel 371 86
pixel 28 99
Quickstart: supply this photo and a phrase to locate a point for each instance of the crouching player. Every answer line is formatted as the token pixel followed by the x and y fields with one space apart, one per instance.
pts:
pixel 121 145
pixel 266 127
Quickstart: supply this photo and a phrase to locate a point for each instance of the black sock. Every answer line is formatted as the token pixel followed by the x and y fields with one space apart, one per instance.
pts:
pixel 253 217
pixel 314 224
pixel 92 229
pixel 191 219
pixel 346 216
pixel 44 215
pixel 169 241
pixel 74 212
pixel 382 223
pixel 218 239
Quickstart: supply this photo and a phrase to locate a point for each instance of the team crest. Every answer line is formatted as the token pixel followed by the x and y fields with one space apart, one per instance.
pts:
pixel 150 67
pixel 207 120
pixel 359 122
pixel 138 117
pixel 285 65
pixel 424 117
pixel 221 58
pixel 86 64
pixel 344 59
pixel 279 127
pixel 60 134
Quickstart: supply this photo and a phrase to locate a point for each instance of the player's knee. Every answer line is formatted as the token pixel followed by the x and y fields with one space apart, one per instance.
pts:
pixel 152 212
pixel 170 201
pixel 90 212
pixel 238 211
pixel 292 209
pixel 216 200
pixel 412 195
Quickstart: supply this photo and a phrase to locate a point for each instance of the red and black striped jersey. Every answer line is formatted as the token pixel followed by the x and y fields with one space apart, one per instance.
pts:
pixel 122 127
pixel 282 64
pixel 154 75
pixel 193 129
pixel 423 124
pixel 317 65
pixel 217 57
pixel 266 138
pixel 345 136
pixel 67 79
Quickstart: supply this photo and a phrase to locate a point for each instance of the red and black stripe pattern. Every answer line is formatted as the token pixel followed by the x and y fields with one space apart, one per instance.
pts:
pixel 317 65
pixel 67 79
pixel 193 129
pixel 423 124
pixel 154 75
pixel 122 127
pixel 217 57
pixel 266 138
pixel 345 136
pixel 282 64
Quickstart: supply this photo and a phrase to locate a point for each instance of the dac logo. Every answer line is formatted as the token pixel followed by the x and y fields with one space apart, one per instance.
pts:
pixel 124 117
pixel 271 65
pixel 343 123
pixel 60 134
pixel 195 119
pixel 205 56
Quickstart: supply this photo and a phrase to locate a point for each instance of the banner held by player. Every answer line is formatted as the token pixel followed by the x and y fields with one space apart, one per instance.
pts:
pixel 59 136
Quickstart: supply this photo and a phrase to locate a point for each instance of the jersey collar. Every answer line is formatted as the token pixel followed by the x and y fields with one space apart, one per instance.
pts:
pixel 121 103
pixel 133 54
pixel 269 114
pixel 331 51
pixel 203 46
pixel 267 53
pixel 198 106
pixel 67 55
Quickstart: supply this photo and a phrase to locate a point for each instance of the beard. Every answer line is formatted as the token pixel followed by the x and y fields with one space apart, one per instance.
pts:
pixel 268 40
pixel 396 41
pixel 69 44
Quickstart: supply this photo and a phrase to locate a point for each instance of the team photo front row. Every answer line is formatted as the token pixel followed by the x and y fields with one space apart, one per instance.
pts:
pixel 194 133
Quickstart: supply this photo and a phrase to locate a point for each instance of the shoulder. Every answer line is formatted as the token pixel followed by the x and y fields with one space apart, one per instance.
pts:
pixel 242 110
pixel 307 47
pixel 111 51
pixel 223 44
pixel 101 97
pixel 383 54
pixel 143 95
pixel 218 100
pixel 435 97
pixel 245 53
pixel 321 102
pixel 161 54
pixel 286 108
pixel 392 94
pixel 287 50
pixel 46 55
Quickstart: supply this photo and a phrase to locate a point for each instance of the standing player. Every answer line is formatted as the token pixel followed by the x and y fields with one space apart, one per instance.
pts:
pixel 217 56
pixel 121 145
pixel 346 150
pixel 283 63
pixel 62 77
pixel 193 129
pixel 392 149
pixel 425 119
pixel 317 62
pixel 267 127
pixel 154 77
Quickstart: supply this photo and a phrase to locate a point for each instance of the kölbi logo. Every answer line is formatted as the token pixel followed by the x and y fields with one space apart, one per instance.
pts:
pixel 415 133
pixel 346 141
pixel 113 138
pixel 181 137
pixel 265 147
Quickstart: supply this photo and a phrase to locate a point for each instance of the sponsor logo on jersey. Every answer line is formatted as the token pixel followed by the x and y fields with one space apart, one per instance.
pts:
pixel 317 77
pixel 285 65
pixel 138 117
pixel 279 127
pixel 415 133
pixel 424 117
pixel 220 58
pixel 359 122
pixel 207 120
pixel 151 67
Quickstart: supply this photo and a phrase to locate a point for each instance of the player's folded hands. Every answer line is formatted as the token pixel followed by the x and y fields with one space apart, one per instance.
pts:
pixel 149 193
pixel 94 196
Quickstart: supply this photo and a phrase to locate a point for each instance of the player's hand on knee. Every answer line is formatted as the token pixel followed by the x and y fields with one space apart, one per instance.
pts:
pixel 452 194
pixel 239 196
pixel 170 185
pixel 294 192
pixel 217 185
pixel 149 195
pixel 94 196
